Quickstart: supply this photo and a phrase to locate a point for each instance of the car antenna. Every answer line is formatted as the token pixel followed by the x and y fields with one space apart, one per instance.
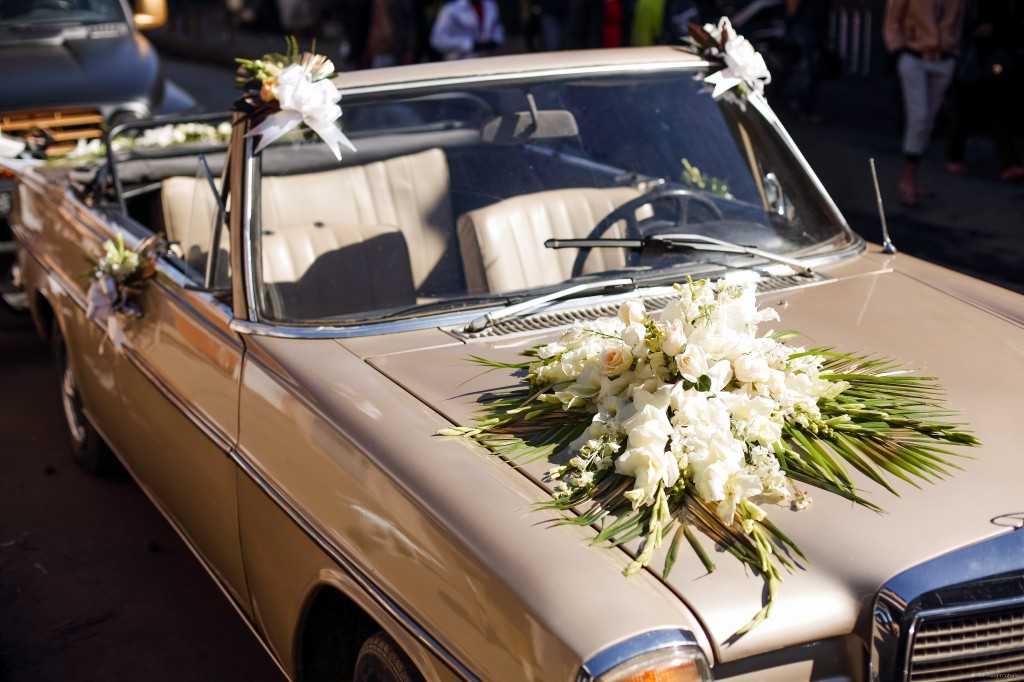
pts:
pixel 887 245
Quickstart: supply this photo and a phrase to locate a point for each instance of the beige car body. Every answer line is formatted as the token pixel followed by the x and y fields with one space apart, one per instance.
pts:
pixel 305 472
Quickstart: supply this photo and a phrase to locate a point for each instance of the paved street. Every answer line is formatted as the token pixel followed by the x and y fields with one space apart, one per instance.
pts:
pixel 94 584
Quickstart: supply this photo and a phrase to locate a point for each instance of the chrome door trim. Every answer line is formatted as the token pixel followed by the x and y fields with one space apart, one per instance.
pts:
pixel 360 577
pixel 319 535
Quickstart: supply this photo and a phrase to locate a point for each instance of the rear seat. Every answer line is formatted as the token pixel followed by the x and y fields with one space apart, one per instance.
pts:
pixel 403 201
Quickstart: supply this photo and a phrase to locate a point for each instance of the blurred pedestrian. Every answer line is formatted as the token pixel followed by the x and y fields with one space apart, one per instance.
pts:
pixel 648 22
pixel 595 23
pixel 807 28
pixel 925 34
pixel 467 28
pixel 988 79
pixel 393 34
pixel 553 18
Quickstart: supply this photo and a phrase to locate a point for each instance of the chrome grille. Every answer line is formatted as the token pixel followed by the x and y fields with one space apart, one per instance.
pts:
pixel 559 318
pixel 984 642
pixel 61 128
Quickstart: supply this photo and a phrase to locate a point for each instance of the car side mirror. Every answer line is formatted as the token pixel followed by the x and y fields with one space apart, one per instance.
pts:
pixel 150 14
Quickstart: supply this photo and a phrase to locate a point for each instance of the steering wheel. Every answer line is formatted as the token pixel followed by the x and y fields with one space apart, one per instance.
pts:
pixel 634 227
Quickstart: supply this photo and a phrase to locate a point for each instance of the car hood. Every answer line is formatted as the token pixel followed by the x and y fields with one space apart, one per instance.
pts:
pixel 966 332
pixel 57 71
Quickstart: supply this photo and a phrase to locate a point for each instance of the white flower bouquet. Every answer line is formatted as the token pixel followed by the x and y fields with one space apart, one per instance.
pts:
pixel 691 421
pixel 742 66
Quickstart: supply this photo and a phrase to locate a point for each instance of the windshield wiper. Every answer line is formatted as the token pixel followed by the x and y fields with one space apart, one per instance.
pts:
pixel 524 307
pixel 674 242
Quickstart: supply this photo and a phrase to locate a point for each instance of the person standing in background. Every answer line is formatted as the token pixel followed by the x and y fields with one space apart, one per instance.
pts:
pixel 648 22
pixel 807 27
pixel 393 34
pixel 989 78
pixel 926 36
pixel 467 28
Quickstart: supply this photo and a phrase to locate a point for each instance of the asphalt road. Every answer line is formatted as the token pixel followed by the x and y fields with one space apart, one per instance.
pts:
pixel 94 583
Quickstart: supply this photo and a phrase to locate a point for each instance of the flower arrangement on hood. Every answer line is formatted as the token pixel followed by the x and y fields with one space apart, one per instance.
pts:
pixel 742 66
pixel 283 91
pixel 690 421
pixel 118 276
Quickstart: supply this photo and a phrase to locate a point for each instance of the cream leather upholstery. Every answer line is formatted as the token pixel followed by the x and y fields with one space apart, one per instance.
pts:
pixel 342 216
pixel 410 192
pixel 320 270
pixel 188 217
pixel 502 245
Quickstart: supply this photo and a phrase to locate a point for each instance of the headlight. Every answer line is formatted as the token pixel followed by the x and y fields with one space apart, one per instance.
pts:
pixel 661 656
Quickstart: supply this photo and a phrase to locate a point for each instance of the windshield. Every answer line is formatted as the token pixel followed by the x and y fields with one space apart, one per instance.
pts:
pixel 29 14
pixel 455 193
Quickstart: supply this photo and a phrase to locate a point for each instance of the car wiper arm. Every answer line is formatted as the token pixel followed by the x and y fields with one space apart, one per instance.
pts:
pixel 671 242
pixel 531 304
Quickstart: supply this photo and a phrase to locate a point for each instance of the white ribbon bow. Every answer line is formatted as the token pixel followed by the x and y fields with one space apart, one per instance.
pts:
pixel 101 298
pixel 743 64
pixel 302 100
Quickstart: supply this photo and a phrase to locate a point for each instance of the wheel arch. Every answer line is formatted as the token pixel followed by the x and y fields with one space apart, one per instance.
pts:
pixel 331 630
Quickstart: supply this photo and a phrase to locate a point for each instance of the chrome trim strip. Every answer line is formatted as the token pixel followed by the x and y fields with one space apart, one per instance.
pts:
pixel 761 104
pixel 223 440
pixel 286 331
pixel 695 65
pixel 320 536
pixel 247 236
pixel 360 577
pixel 617 654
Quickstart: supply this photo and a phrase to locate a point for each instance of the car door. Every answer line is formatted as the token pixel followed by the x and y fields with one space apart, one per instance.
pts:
pixel 179 382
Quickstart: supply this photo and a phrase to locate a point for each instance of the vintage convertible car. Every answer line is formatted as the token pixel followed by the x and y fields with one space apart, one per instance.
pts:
pixel 282 378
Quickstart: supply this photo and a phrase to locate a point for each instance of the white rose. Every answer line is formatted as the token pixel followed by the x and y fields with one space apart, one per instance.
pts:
pixel 615 360
pixel 692 363
pixel 675 339
pixel 633 311
pixel 634 334
pixel 751 368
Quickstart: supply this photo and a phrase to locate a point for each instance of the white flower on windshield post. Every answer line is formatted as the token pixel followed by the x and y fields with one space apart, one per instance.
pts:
pixel 284 91
pixel 741 64
pixel 691 421
pixel 117 278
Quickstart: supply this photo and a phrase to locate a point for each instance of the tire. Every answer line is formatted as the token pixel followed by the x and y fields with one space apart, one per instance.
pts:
pixel 90 453
pixel 380 660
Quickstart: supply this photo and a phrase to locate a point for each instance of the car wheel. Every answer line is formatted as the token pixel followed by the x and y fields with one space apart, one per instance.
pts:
pixel 380 660
pixel 90 453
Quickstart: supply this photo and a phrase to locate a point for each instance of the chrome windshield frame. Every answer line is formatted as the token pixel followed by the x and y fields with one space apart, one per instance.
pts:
pixel 254 324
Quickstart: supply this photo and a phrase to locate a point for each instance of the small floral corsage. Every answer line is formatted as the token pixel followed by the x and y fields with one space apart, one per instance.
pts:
pixel 117 277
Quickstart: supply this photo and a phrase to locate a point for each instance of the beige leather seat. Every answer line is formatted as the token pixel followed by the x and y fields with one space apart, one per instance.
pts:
pixel 343 216
pixel 313 271
pixel 502 245
pixel 189 210
pixel 410 192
